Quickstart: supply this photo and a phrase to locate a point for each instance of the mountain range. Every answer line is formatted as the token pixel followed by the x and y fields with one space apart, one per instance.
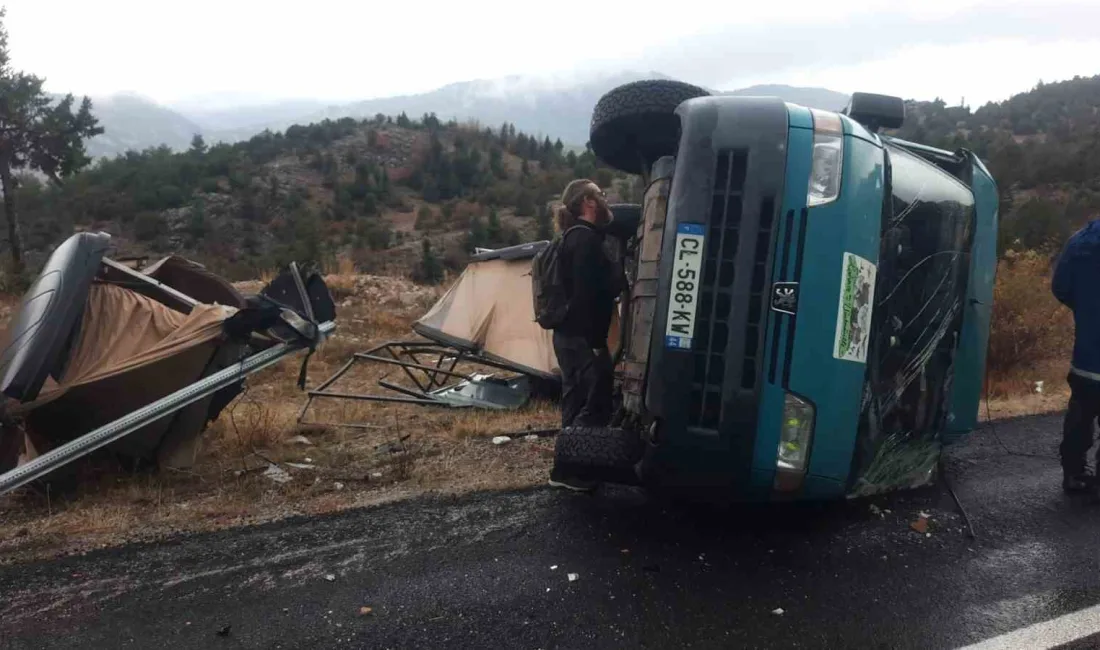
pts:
pixel 554 107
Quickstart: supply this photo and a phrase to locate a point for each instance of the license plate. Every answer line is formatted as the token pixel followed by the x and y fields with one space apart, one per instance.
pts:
pixel 687 261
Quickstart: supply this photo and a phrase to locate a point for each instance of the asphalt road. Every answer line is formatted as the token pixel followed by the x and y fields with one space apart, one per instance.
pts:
pixel 492 571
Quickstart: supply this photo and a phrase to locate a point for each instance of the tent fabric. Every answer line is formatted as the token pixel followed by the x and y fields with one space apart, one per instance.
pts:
pixel 122 331
pixel 130 351
pixel 489 309
pixel 195 280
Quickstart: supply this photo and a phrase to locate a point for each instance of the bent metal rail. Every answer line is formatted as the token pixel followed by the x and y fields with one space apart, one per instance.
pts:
pixel 127 424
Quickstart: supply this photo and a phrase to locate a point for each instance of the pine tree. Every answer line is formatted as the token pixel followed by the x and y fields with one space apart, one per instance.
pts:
pixel 494 229
pixel 525 203
pixel 38 135
pixel 477 236
pixel 542 221
pixel 198 145
pixel 430 269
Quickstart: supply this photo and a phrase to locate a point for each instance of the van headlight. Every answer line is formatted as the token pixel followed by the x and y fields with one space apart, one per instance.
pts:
pixel 828 159
pixel 796 435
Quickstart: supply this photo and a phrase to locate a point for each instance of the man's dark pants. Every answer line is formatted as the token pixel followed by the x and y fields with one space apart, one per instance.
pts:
pixel 1077 430
pixel 587 381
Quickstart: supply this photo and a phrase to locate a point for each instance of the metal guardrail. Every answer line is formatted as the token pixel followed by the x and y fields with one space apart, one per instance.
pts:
pixel 127 424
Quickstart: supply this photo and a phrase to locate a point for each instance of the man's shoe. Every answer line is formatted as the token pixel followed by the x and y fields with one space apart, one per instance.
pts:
pixel 560 479
pixel 1077 483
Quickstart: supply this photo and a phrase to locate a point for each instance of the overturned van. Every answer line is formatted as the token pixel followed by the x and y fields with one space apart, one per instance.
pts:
pixel 809 299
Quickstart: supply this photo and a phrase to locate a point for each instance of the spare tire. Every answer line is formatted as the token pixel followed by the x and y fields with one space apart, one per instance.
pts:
pixel 604 453
pixel 635 124
pixel 625 224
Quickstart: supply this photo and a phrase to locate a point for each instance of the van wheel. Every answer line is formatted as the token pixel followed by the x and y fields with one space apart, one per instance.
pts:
pixel 635 124
pixel 609 453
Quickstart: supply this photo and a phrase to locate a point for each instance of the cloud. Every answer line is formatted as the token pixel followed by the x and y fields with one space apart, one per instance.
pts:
pixel 340 51
pixel 716 56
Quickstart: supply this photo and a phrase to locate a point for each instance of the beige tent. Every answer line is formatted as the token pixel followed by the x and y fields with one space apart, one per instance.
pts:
pixel 489 311
pixel 131 350
pixel 94 341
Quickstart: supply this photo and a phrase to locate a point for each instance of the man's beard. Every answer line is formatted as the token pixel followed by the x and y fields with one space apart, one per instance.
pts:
pixel 603 215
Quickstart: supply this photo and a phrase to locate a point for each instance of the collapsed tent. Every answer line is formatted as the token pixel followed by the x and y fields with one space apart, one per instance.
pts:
pixel 95 341
pixel 485 318
pixel 489 310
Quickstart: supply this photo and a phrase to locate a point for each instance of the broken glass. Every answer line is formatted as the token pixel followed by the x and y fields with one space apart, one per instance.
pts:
pixel 927 233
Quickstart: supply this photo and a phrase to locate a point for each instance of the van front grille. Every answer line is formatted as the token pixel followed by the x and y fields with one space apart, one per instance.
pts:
pixel 727 259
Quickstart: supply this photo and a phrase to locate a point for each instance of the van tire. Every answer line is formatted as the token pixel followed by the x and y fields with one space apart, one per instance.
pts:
pixel 635 124
pixel 603 452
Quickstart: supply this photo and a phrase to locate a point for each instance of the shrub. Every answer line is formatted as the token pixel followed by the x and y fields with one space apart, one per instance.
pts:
pixel 423 218
pixel 1029 326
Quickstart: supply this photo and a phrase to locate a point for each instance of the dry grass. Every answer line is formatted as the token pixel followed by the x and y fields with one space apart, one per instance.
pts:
pixel 1031 336
pixel 406 449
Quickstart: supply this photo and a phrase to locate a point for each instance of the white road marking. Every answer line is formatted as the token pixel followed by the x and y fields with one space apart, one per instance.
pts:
pixel 1048 634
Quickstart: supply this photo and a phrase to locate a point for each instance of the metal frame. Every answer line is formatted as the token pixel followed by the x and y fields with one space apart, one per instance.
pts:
pixel 310 334
pixel 415 359
pixel 151 281
pixel 135 420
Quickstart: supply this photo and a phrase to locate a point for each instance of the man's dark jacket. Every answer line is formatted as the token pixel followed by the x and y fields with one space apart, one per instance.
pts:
pixel 592 281
pixel 1076 284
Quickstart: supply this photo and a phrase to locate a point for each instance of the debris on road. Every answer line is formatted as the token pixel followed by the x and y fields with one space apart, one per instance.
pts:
pixel 364 610
pixel 330 577
pixel 573 577
pixel 500 440
pixel 554 568
pixel 778 611
pixel 921 524
pixel 299 440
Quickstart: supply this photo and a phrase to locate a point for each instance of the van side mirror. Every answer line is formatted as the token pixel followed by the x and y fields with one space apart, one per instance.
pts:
pixel 876 112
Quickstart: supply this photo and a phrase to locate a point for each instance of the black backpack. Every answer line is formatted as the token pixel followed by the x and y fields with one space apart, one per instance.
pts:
pixel 548 291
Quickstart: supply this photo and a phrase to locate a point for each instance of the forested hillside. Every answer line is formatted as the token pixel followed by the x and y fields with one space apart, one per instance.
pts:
pixel 373 189
pixel 1042 146
pixel 368 189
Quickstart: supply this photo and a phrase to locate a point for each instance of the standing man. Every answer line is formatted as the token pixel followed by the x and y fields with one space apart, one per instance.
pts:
pixel 1075 285
pixel 591 282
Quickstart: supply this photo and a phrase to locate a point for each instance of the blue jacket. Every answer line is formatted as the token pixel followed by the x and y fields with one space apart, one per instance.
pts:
pixel 1076 284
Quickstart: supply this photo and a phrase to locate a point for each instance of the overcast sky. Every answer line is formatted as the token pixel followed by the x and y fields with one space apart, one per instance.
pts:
pixel 252 50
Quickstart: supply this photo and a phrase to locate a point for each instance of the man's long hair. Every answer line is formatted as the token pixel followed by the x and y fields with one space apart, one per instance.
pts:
pixel 568 213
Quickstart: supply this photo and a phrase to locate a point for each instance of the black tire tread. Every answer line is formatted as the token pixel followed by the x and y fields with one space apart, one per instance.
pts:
pixel 638 117
pixel 598 448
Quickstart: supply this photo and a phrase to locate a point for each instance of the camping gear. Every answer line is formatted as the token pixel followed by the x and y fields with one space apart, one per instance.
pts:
pixel 96 344
pixel 548 291
pixel 486 318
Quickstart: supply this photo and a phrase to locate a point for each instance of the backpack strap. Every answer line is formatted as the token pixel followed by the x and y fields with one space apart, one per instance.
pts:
pixel 569 230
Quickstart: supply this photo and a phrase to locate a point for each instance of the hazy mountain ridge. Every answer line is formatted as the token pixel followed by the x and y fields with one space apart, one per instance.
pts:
pixel 558 107
pixel 131 121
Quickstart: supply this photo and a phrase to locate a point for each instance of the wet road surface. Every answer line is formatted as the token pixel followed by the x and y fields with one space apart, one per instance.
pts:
pixel 480 572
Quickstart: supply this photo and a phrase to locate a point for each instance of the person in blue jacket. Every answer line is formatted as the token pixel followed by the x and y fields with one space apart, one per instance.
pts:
pixel 1076 284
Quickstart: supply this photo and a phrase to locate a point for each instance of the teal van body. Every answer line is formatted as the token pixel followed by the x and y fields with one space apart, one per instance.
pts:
pixel 816 322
